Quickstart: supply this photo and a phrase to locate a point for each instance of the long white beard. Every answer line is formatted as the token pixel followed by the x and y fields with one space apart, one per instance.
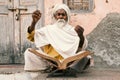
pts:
pixel 60 23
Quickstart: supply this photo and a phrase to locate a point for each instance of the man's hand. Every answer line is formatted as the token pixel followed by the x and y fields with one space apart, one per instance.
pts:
pixel 36 16
pixel 79 30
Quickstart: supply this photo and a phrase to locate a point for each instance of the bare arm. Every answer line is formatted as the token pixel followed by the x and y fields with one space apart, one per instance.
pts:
pixel 36 15
pixel 80 31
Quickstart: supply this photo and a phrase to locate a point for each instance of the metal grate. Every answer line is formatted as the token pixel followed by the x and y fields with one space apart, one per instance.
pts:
pixel 79 5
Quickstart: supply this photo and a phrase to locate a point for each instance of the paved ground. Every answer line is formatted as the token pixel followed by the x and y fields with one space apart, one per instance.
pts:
pixel 17 73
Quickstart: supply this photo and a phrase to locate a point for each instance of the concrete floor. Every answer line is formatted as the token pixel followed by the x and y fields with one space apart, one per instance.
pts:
pixel 17 73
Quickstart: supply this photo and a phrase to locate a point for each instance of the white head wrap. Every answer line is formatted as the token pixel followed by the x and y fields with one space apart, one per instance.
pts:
pixel 60 6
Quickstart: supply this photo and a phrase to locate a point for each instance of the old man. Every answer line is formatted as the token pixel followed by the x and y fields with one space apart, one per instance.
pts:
pixel 59 40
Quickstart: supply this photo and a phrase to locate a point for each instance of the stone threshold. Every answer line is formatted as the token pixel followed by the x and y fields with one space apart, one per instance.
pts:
pixel 11 68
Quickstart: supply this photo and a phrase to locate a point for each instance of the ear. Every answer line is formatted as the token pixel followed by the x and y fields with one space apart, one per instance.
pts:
pixel 55 16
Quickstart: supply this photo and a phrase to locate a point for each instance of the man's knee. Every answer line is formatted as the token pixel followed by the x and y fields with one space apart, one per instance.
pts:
pixel 27 53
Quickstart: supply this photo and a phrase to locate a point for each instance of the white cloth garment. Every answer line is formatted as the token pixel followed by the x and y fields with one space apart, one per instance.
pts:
pixel 33 62
pixel 64 40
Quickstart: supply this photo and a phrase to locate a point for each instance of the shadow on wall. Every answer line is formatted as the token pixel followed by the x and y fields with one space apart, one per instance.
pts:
pixel 104 40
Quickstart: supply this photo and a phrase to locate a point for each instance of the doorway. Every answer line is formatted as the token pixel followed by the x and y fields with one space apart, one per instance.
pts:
pixel 15 17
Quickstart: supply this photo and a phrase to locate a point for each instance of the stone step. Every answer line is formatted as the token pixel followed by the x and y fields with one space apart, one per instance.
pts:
pixel 10 69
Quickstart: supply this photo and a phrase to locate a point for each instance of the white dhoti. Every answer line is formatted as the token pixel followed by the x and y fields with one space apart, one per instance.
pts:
pixel 33 62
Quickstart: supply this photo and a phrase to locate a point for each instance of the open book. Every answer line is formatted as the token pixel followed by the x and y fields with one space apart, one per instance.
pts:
pixel 64 63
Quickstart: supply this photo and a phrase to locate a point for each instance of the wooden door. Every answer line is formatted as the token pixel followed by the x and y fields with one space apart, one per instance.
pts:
pixel 6 32
pixel 15 17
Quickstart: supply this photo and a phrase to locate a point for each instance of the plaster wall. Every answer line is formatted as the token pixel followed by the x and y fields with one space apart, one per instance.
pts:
pixel 87 20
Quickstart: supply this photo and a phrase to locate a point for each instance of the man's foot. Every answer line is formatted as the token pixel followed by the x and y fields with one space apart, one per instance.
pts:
pixel 91 62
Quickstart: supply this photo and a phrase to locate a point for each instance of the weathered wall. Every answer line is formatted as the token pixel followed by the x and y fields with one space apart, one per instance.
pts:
pixel 88 20
pixel 105 42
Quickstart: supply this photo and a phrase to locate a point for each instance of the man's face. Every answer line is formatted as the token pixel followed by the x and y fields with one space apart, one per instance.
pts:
pixel 61 14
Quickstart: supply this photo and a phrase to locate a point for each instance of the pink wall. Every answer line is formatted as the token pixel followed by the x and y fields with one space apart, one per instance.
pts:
pixel 87 20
